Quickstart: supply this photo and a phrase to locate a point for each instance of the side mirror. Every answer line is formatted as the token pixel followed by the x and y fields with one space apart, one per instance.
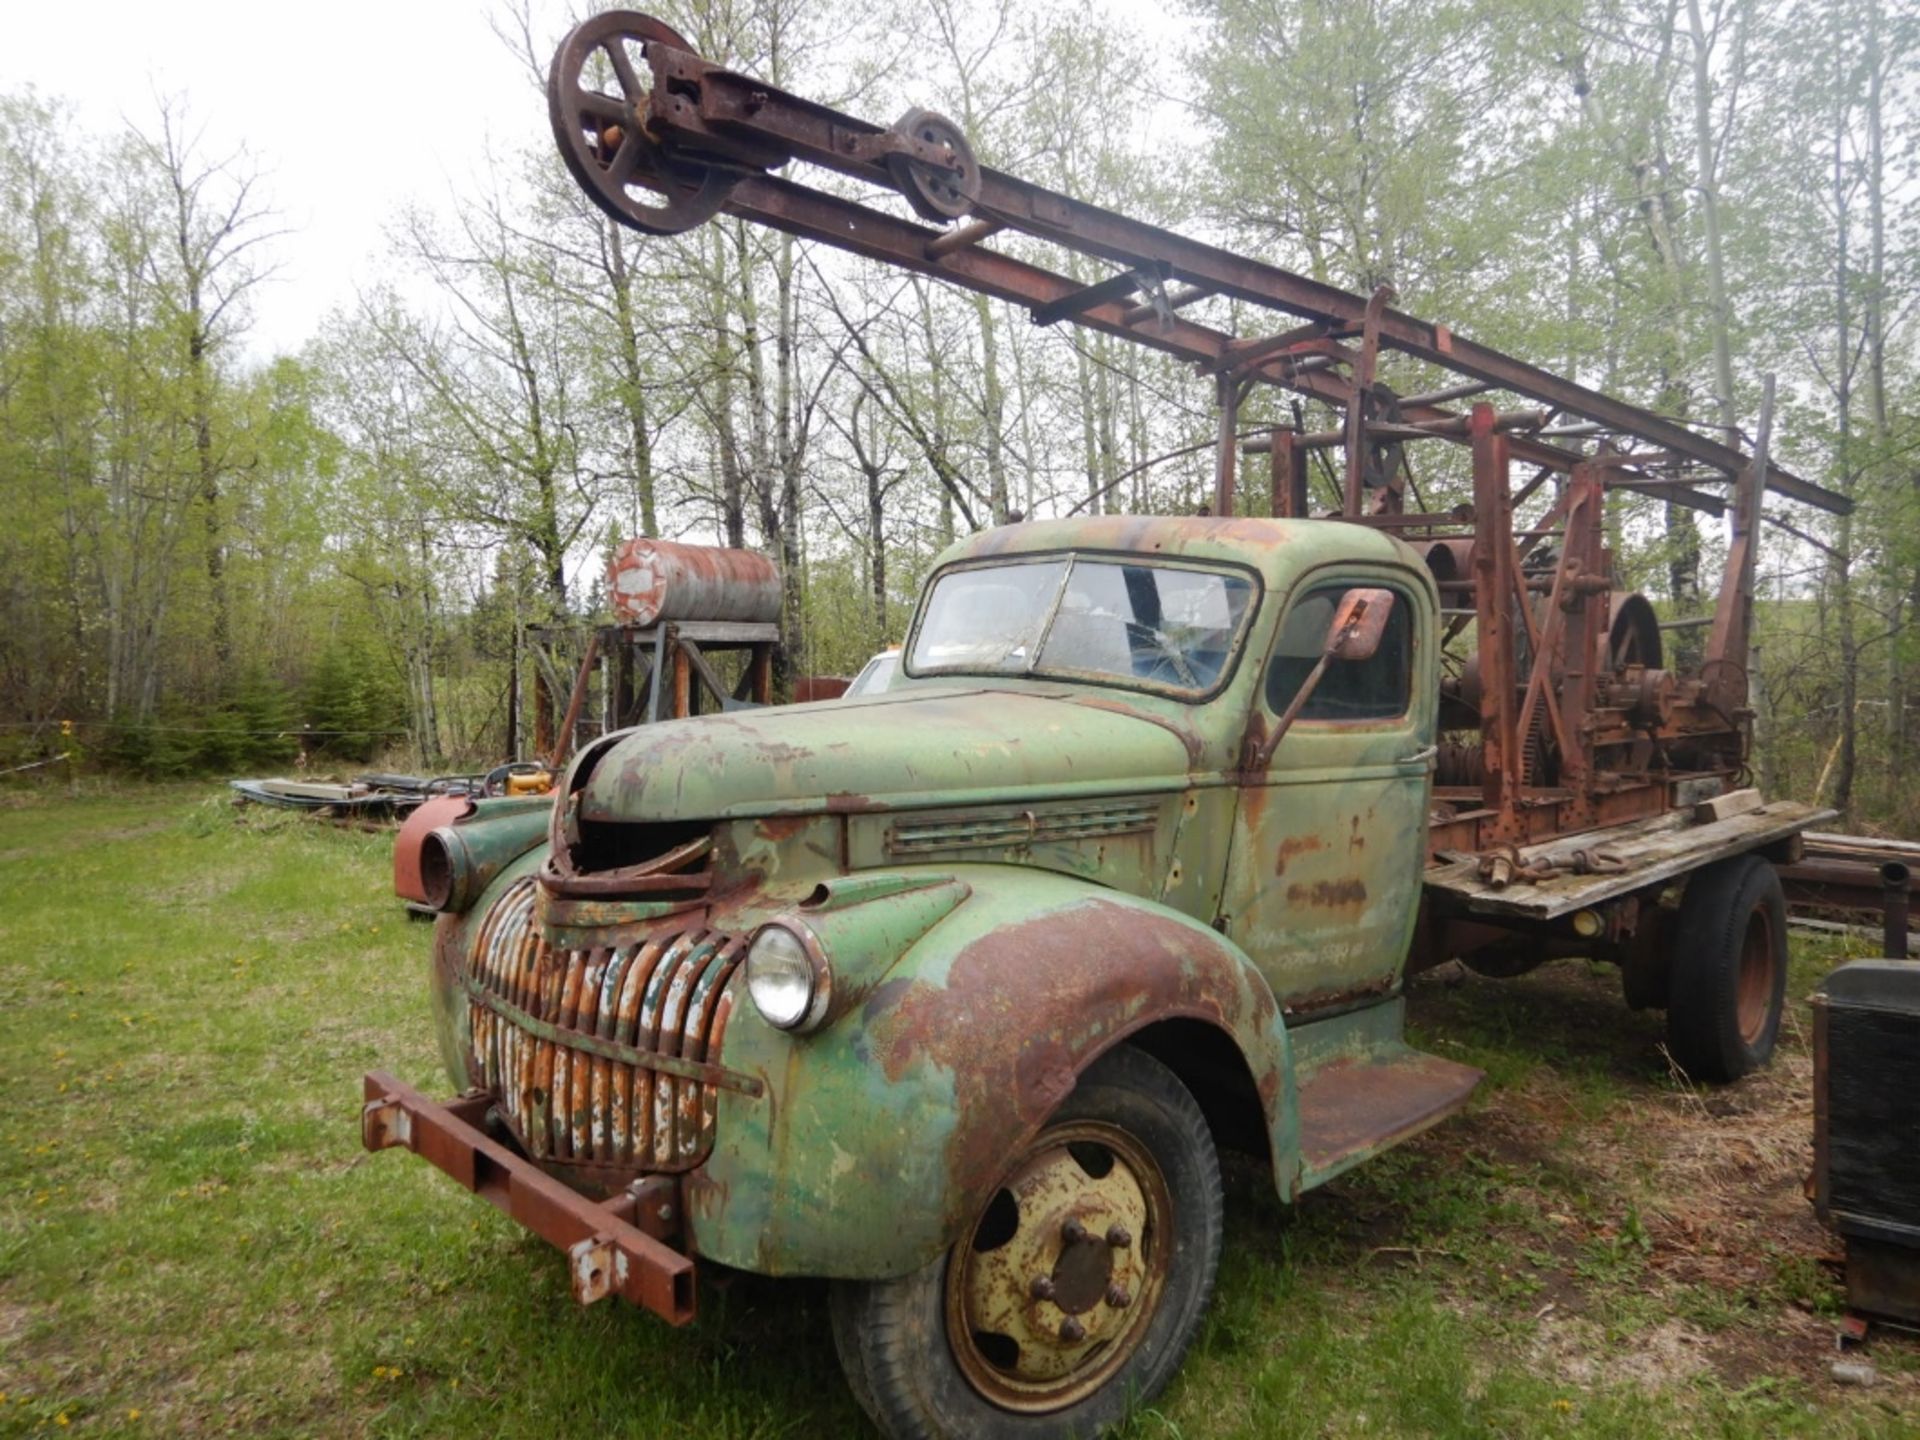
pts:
pixel 1359 620
pixel 1358 623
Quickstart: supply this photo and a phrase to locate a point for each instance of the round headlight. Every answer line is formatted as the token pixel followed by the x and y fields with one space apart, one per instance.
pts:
pixel 782 978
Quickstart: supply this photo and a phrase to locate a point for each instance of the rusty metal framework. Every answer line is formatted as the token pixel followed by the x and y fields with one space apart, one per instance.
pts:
pixel 1560 713
pixel 627 675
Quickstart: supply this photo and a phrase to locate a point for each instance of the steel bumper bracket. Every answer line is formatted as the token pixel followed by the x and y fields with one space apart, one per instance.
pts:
pixel 606 1253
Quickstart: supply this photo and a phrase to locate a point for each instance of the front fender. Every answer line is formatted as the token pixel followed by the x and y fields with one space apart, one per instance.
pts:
pixel 879 1137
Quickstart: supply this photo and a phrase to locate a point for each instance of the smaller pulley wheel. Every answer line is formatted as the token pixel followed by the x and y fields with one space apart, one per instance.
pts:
pixel 599 99
pixel 1728 981
pixel 937 193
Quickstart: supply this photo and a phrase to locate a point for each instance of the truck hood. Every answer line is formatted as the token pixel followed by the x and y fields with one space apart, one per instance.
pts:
pixel 927 746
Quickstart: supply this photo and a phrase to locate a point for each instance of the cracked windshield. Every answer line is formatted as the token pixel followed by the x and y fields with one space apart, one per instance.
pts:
pixel 1136 624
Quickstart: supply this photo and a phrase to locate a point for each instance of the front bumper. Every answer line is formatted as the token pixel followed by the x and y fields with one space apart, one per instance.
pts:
pixel 608 1253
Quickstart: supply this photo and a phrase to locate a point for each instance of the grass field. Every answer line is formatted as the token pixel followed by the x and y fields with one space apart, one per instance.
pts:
pixel 193 1242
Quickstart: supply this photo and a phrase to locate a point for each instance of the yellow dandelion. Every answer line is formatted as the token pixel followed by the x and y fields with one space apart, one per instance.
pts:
pixel 134 1414
pixel 1563 1405
pixel 61 1420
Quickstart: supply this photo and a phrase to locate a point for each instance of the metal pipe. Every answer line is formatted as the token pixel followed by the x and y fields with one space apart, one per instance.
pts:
pixel 1178 300
pixel 1226 443
pixel 1451 393
pixel 564 742
pixel 1829 840
pixel 1895 884
pixel 959 238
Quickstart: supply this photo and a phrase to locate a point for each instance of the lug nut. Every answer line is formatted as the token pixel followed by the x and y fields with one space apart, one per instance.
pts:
pixel 1042 1287
pixel 1118 1298
pixel 1072 1331
pixel 1074 1232
pixel 1118 1237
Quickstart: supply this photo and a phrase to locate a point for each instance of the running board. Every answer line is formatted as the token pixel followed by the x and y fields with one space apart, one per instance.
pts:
pixel 1354 1107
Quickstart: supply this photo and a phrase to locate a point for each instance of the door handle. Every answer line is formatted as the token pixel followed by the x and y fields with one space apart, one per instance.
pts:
pixel 1419 757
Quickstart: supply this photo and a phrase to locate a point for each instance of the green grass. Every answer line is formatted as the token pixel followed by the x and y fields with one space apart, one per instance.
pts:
pixel 192 1240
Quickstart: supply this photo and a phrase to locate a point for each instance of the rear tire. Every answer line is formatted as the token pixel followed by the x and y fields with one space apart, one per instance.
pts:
pixel 1728 980
pixel 1115 1209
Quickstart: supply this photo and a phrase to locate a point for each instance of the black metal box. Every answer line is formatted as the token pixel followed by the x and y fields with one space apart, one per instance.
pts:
pixel 1866 1129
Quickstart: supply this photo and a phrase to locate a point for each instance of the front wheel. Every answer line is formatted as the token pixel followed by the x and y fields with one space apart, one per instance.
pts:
pixel 1728 980
pixel 1076 1288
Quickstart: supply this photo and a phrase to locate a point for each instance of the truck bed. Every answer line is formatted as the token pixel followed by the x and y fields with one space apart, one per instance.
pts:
pixel 1621 859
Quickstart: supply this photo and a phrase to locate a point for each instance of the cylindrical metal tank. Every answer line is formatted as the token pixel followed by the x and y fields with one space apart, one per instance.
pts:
pixel 653 580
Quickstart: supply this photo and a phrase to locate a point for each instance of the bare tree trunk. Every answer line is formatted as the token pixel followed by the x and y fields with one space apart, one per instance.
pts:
pixel 1653 180
pixel 1707 181
pixel 208 474
pixel 1900 704
pixel 791 450
pixel 426 711
pixel 1089 441
pixel 1844 360
pixel 733 508
pixel 993 410
pixel 640 438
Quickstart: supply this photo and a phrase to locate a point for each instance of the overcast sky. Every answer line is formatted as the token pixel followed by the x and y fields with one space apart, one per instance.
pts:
pixel 349 107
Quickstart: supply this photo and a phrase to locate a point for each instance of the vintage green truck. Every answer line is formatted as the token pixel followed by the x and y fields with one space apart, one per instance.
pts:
pixel 951 993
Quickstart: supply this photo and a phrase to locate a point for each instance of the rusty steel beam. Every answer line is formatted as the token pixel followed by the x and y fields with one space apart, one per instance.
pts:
pixel 890 239
pixel 708 122
pixel 1115 287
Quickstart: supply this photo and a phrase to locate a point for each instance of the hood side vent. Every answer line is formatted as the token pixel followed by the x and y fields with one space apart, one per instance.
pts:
pixel 1001 828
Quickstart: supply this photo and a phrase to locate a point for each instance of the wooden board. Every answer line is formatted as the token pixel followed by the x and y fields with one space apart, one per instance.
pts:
pixel 1653 851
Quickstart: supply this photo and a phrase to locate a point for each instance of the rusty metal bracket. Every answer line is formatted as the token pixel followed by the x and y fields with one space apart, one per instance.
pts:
pixel 607 1254
pixel 1149 277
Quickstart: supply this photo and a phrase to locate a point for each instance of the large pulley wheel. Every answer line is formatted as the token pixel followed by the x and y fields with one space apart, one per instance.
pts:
pixel 937 194
pixel 1072 1294
pixel 598 96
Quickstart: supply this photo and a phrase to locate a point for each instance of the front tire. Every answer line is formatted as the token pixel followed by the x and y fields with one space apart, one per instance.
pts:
pixel 1075 1291
pixel 1728 982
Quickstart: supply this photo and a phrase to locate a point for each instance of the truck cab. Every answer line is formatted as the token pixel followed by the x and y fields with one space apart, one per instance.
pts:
pixel 1306 854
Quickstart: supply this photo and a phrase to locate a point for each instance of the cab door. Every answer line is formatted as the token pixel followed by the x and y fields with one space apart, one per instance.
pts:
pixel 1330 839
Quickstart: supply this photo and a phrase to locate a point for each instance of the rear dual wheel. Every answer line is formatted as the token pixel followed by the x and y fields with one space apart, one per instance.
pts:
pixel 1075 1290
pixel 1728 979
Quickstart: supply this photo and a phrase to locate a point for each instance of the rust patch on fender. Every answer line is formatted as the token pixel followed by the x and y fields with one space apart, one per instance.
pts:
pixel 775 828
pixel 1330 894
pixel 1293 846
pixel 1025 1008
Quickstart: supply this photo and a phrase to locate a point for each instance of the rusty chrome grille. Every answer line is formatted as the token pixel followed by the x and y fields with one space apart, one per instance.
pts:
pixel 603 1056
